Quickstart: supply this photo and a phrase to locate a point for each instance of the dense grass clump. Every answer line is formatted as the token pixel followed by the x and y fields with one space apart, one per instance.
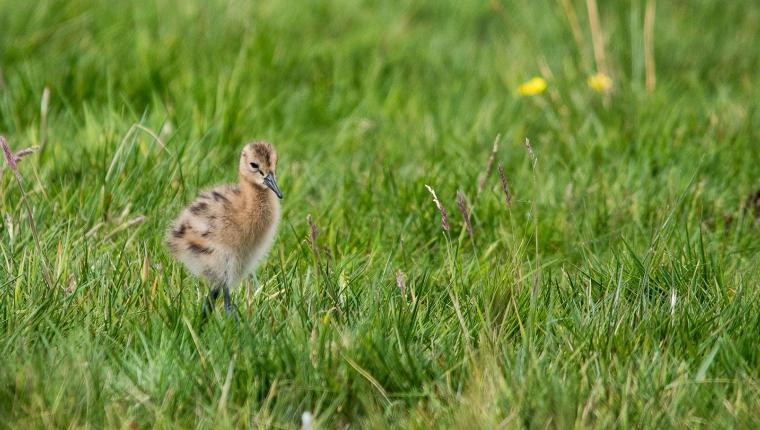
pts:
pixel 619 288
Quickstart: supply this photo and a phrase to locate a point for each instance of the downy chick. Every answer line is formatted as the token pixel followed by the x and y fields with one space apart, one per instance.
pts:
pixel 227 230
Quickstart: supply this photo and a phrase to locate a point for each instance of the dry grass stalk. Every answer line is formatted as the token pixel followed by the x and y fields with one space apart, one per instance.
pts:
pixel 534 212
pixel 489 165
pixel 328 258
pixel 145 268
pixel 533 159
pixel 575 29
pixel 505 187
pixel 11 160
pixel 400 282
pixel 126 225
pixel 651 79
pixel 91 232
pixel 597 37
pixel 313 239
pixel 465 214
pixel 441 209
pixel 44 103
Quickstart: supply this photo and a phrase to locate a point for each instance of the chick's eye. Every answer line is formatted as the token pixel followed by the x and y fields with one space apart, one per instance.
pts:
pixel 254 166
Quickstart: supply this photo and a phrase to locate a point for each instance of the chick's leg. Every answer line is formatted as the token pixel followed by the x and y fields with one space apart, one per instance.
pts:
pixel 227 305
pixel 208 305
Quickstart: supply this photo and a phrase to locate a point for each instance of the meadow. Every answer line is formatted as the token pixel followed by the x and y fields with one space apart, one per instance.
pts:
pixel 617 287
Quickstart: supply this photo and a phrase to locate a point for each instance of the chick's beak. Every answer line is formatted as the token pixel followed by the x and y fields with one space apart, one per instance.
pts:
pixel 270 182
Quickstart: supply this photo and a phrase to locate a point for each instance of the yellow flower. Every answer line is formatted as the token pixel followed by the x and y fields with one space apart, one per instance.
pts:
pixel 600 83
pixel 534 86
pixel 326 319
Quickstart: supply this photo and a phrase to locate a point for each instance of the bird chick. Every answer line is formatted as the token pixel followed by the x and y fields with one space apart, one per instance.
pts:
pixel 227 230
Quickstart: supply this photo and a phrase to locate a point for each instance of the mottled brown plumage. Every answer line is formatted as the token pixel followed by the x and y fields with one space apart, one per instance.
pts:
pixel 226 231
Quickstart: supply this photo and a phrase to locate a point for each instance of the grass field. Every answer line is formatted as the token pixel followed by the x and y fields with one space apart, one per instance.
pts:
pixel 620 289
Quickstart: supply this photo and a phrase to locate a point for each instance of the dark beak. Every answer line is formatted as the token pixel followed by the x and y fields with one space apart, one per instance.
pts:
pixel 270 182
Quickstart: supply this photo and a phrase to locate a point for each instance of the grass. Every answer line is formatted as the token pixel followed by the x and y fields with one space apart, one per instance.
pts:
pixel 619 289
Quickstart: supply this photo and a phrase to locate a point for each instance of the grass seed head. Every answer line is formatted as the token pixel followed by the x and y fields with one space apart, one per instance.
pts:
pixel 531 153
pixel 328 256
pixel 312 230
pixel 10 159
pixel 313 238
pixel 441 209
pixel 505 187
pixel 465 214
pixel 489 164
pixel 400 281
